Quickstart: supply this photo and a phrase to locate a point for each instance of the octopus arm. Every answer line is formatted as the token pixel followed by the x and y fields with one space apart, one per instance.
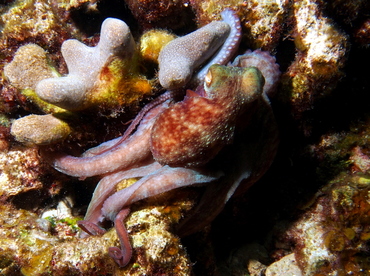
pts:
pixel 160 181
pixel 122 255
pixel 252 153
pixel 125 155
pixel 106 187
pixel 212 203
pixel 230 46
pixel 101 148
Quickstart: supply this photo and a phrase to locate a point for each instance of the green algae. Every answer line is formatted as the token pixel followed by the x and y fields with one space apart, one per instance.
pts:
pixel 4 120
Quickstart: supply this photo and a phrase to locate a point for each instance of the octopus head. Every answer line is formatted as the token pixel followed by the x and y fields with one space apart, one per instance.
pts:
pixel 233 83
pixel 191 132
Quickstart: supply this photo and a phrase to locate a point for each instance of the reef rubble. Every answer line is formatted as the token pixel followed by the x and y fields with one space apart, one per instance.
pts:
pixel 308 214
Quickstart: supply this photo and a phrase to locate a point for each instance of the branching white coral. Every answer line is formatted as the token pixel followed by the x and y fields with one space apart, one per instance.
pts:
pixel 84 65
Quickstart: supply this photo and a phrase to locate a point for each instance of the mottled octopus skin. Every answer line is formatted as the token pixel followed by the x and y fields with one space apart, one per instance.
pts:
pixel 193 131
pixel 122 156
pixel 232 170
pixel 216 41
pixel 243 163
pixel 265 63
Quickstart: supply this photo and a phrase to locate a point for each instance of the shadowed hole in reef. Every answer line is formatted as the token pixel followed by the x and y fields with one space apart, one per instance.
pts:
pixel 29 200
pixel 41 199
pixel 285 54
pixel 295 176
pixel 89 19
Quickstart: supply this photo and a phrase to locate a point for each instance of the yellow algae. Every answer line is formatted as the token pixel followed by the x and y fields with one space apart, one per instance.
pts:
pixel 119 84
pixel 152 42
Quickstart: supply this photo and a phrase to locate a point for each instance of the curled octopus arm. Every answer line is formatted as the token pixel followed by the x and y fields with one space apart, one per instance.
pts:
pixel 170 178
pixel 115 206
pixel 124 155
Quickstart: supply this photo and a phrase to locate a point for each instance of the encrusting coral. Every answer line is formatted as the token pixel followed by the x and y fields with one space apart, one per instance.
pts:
pixel 262 21
pixel 104 76
pixel 321 54
pixel 20 171
pixel 38 246
pixel 226 94
pixel 311 40
pixel 32 20
pixel 29 67
pixel 40 129
pixel 152 42
pixel 331 237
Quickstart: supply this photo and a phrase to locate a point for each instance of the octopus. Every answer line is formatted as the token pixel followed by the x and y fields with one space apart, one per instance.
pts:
pixel 222 135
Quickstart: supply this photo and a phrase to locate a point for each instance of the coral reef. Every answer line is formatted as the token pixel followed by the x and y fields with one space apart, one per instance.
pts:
pixel 85 64
pixel 40 130
pixel 255 16
pixel 307 216
pixel 321 54
pixel 330 239
pixel 31 20
pixel 321 47
pixel 93 77
pixel 29 247
pixel 21 171
pixel 102 76
pixel 160 14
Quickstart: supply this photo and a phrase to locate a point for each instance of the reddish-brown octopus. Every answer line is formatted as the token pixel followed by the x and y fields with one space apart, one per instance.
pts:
pixel 223 135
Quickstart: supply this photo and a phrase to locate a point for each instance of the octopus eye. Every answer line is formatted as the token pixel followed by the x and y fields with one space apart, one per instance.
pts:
pixel 208 78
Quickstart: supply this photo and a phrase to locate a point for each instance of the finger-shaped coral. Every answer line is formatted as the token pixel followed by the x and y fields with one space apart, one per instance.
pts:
pixel 182 56
pixel 40 129
pixel 85 64
pixel 179 58
pixel 28 67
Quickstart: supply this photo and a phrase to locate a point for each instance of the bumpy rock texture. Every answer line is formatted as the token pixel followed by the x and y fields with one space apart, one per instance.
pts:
pixel 309 213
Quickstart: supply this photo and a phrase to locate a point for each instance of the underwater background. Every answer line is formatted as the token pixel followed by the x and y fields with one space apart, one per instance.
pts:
pixel 309 214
